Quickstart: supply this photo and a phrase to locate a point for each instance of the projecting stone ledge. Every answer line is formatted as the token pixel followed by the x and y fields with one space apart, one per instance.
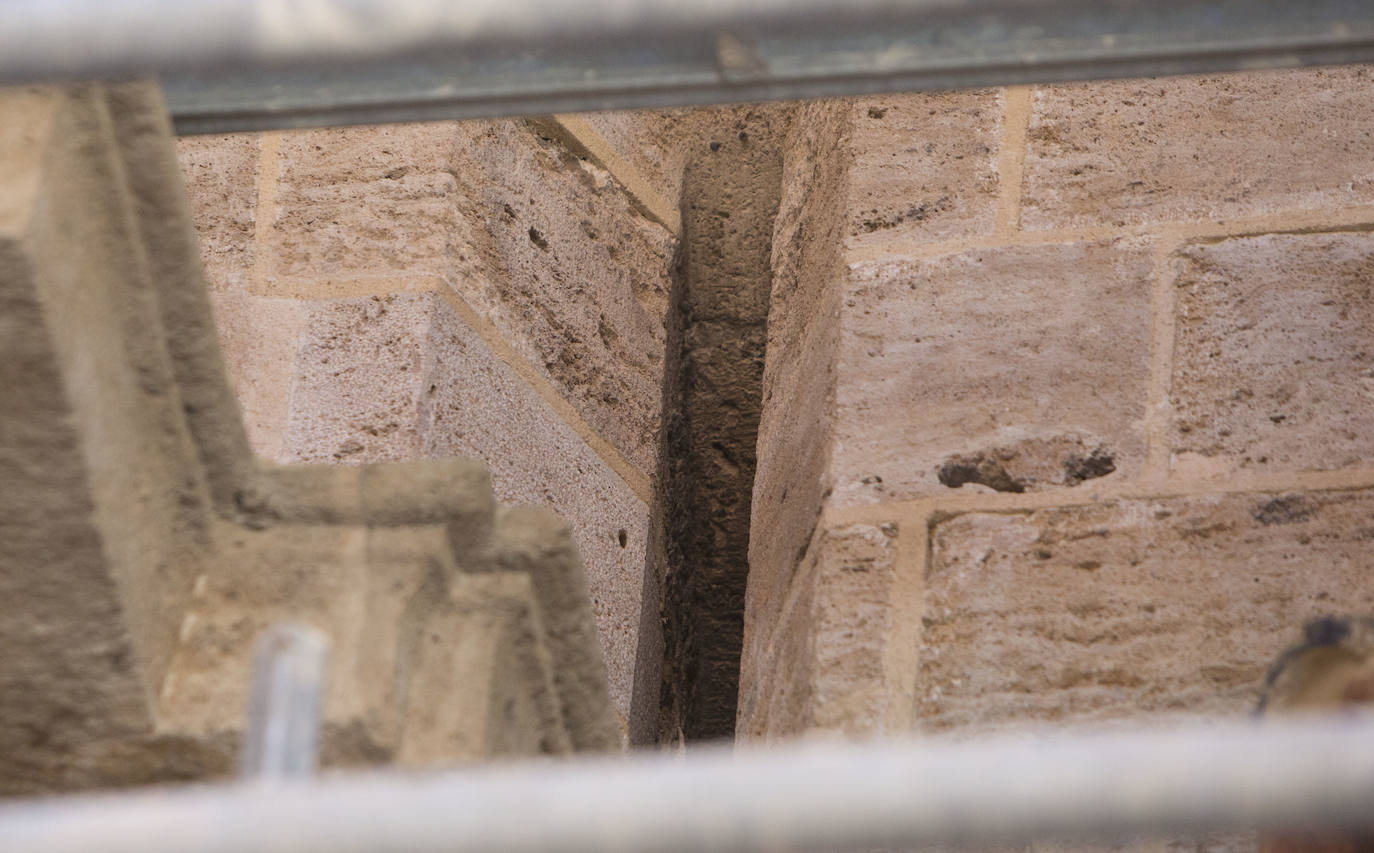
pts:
pixel 143 547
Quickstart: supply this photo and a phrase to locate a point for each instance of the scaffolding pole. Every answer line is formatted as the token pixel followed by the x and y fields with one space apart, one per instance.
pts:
pixel 262 64
pixel 1316 773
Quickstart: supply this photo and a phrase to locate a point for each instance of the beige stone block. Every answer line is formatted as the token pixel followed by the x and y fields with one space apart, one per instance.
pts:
pixel 483 678
pixel 1137 609
pixel 1015 369
pixel 544 245
pixel 259 336
pixel 654 143
pixel 578 281
pixel 646 150
pixel 473 405
pixel 369 201
pixel 357 585
pixel 790 480
pixel 99 504
pixel 924 168
pixel 403 377
pixel 356 385
pixel 822 666
pixel 144 549
pixel 1198 148
pixel 1274 353
pixel 222 183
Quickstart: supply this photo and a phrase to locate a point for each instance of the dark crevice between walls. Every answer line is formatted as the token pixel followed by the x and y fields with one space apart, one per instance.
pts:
pixel 712 397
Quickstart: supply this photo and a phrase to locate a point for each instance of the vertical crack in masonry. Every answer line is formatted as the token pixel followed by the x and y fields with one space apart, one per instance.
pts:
pixel 712 398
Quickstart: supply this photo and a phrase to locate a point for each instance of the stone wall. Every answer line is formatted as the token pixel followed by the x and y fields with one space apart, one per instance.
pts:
pixel 144 548
pixel 470 289
pixel 1063 409
pixel 1067 402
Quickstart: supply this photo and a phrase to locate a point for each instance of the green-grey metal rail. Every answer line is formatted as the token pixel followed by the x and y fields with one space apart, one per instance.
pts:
pixel 260 64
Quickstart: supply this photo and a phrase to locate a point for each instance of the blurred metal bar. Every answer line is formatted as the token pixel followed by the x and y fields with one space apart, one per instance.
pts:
pixel 258 64
pixel 281 738
pixel 1279 776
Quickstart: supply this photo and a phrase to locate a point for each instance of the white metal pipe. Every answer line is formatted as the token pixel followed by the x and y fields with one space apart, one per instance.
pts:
pixel 1314 773
pixel 282 733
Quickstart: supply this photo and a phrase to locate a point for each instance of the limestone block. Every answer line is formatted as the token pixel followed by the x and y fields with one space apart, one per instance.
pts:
pixel 1274 353
pixel 486 677
pixel 95 526
pixel 369 201
pixel 1198 148
pixel 924 168
pixel 523 230
pixel 474 405
pixel 1132 609
pixel 403 376
pixel 357 380
pixel 823 666
pixel 143 546
pixel 1016 369
pixel 222 184
pixel 259 336
pixel 796 420
pixel 653 143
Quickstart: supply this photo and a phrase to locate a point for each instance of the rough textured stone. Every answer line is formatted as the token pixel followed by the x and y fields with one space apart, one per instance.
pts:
pixel 655 143
pixel 526 232
pixel 823 669
pixel 1274 360
pixel 1198 148
pixel 222 182
pixel 259 336
pixel 924 168
pixel 1171 607
pixel 469 407
pixel 715 370
pixel 358 379
pixel 403 377
pixel 1025 361
pixel 145 545
pixel 794 441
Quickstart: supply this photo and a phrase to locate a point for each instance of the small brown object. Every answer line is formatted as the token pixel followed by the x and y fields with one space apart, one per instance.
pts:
pixel 1332 668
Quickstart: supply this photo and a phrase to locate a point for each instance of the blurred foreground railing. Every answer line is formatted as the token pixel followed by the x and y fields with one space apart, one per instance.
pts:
pixel 255 64
pixel 822 796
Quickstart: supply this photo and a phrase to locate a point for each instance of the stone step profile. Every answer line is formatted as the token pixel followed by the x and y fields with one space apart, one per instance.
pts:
pixel 144 548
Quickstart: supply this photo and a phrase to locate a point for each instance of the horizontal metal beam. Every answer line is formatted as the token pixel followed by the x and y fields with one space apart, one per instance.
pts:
pixel 1278 776
pixel 244 65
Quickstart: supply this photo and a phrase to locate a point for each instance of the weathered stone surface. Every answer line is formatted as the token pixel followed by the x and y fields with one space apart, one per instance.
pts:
pixel 1198 148
pixel 715 362
pixel 795 424
pixel 222 182
pixel 357 380
pixel 403 377
pixel 823 668
pixel 370 201
pixel 259 336
pixel 1274 360
pixel 475 406
pixel 129 475
pixel 492 632
pixel 655 144
pixel 96 530
pixel 924 168
pixel 526 232
pixel 1014 368
pixel 1135 609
